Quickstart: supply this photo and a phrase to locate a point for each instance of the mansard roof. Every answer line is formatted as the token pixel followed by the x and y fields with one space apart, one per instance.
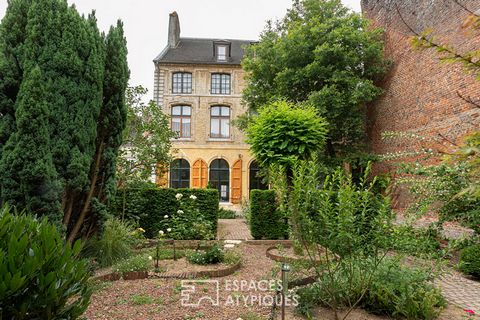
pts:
pixel 201 51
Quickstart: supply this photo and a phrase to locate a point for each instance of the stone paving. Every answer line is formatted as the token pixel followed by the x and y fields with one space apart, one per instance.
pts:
pixel 233 229
pixel 460 291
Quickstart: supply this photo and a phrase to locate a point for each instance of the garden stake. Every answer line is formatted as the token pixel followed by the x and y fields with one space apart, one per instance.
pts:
pixel 174 251
pixel 156 258
pixel 285 270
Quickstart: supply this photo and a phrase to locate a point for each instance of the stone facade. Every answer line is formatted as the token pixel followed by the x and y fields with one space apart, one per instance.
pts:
pixel 421 95
pixel 200 149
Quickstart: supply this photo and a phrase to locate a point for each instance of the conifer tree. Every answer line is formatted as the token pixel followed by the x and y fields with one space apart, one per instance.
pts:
pixel 59 160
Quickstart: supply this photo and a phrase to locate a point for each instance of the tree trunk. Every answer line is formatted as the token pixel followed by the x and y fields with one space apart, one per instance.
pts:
pixel 86 205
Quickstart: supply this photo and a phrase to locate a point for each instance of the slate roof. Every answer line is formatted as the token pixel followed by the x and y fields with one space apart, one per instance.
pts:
pixel 200 51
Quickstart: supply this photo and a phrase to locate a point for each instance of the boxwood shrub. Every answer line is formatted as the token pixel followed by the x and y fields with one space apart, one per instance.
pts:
pixel 149 206
pixel 470 260
pixel 266 221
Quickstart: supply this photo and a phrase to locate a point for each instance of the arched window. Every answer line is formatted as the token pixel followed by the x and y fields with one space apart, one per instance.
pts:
pixel 254 177
pixel 180 174
pixel 182 82
pixel 219 178
pixel 181 121
pixel 220 122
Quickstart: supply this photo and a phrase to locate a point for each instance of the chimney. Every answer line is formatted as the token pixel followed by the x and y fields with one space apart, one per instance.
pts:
pixel 173 30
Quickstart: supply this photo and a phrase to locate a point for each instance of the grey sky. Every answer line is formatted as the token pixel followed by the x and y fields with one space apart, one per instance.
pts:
pixel 146 23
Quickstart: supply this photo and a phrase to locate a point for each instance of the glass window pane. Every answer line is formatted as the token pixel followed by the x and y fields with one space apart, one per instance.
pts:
pixel 177 110
pixel 225 111
pixel 185 128
pixel 224 175
pixel 214 128
pixel 187 110
pixel 174 174
pixel 225 129
pixel 176 124
pixel 215 111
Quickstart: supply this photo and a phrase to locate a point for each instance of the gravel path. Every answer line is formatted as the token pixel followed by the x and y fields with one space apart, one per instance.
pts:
pixel 161 299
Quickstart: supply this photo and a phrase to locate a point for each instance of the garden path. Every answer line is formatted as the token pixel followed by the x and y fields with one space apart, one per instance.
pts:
pixel 233 229
pixel 460 291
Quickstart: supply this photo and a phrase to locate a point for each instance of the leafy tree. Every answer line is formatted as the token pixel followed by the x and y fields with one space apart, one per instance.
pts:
pixel 283 133
pixel 81 76
pixel 326 55
pixel 146 141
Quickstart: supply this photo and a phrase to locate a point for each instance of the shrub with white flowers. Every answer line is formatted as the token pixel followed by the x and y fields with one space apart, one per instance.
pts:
pixel 187 223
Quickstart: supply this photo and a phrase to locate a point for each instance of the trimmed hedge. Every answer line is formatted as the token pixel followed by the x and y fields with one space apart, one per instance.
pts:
pixel 470 260
pixel 266 221
pixel 150 205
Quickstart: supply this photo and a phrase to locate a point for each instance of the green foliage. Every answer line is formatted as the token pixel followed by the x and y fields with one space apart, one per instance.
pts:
pixel 226 214
pixel 147 139
pixel 343 224
pixel 266 221
pixel 283 133
pixel 403 291
pixel 189 223
pixel 149 206
pixel 213 255
pixel 323 54
pixel 443 188
pixel 232 257
pixel 470 260
pixel 394 290
pixel 69 87
pixel 133 264
pixel 41 277
pixel 343 216
pixel 114 243
pixel 416 241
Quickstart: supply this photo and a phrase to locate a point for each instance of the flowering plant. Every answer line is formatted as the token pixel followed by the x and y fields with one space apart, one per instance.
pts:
pixel 187 222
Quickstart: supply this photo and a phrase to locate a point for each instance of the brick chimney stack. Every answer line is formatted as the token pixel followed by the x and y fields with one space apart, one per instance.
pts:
pixel 173 30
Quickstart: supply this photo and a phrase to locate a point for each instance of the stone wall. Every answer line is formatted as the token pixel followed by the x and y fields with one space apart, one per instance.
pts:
pixel 421 94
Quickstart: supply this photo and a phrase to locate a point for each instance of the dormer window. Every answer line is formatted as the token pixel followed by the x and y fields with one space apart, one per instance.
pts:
pixel 221 51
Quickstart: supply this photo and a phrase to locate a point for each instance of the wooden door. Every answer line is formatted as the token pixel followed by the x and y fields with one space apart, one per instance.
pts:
pixel 199 174
pixel 237 182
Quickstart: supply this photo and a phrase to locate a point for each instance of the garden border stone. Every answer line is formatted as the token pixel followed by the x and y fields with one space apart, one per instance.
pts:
pixel 135 275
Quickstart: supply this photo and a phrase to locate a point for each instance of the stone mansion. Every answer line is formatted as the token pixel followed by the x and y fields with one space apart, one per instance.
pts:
pixel 199 83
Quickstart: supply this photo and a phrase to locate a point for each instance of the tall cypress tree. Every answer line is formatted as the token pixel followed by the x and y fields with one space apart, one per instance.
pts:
pixel 12 40
pixel 28 165
pixel 79 126
pixel 110 126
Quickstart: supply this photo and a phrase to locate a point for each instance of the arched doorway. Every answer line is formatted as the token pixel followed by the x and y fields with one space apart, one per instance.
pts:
pixel 219 178
pixel 254 177
pixel 180 174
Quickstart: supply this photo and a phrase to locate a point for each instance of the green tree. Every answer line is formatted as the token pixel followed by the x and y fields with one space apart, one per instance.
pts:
pixel 283 133
pixel 324 54
pixel 82 76
pixel 109 130
pixel 146 142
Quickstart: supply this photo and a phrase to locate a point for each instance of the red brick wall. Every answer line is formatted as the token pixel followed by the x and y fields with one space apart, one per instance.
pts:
pixel 420 92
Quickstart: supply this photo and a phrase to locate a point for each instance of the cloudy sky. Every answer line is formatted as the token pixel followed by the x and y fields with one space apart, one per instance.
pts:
pixel 146 23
